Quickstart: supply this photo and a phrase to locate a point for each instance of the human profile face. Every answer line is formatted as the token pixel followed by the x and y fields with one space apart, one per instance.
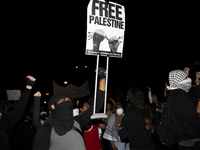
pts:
pixel 198 78
pixel 108 106
pixel 85 107
pixel 155 99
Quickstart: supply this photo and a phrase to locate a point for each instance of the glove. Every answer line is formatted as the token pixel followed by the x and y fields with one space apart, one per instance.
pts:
pixel 29 82
pixel 102 73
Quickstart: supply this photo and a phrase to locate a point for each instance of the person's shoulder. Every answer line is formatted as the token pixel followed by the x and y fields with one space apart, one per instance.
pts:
pixel 180 99
pixel 180 95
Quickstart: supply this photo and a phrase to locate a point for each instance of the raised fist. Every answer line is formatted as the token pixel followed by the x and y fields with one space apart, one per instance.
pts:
pixel 30 80
pixel 37 94
pixel 102 73
pixel 114 43
pixel 98 36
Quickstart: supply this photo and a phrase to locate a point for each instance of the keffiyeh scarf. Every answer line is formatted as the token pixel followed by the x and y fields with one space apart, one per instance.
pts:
pixel 176 80
pixel 110 132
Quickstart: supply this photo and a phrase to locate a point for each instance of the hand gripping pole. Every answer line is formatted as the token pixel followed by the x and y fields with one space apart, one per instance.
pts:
pixel 100 115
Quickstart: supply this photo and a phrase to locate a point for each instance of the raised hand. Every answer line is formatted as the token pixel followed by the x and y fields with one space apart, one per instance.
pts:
pixel 186 69
pixel 37 94
pixel 98 36
pixel 30 80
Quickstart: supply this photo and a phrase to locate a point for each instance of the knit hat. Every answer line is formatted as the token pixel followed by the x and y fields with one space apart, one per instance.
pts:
pixel 55 98
pixel 176 77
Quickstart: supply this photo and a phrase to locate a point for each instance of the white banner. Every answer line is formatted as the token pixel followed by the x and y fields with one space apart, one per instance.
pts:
pixel 105 28
pixel 13 94
pixel 72 91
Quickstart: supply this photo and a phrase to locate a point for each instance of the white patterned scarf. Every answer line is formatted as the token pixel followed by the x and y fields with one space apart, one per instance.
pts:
pixel 177 80
pixel 110 132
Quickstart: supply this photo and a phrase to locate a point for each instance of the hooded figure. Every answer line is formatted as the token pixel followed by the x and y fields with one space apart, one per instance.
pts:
pixel 135 114
pixel 61 117
pixel 58 130
pixel 136 98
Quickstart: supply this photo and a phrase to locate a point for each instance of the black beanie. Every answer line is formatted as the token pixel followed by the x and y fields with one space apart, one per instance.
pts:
pixel 55 98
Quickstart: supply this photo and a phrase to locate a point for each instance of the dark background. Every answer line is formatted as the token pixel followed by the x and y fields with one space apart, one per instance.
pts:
pixel 47 40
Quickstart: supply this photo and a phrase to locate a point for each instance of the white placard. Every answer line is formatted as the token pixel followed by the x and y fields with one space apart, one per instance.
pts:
pixel 13 94
pixel 105 28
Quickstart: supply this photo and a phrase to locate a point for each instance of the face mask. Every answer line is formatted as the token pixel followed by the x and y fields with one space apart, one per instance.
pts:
pixel 120 111
pixel 62 118
pixel 43 117
pixel 185 84
pixel 140 96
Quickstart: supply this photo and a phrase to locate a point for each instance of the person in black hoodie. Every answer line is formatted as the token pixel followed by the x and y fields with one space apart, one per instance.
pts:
pixel 7 125
pixel 58 132
pixel 138 122
pixel 184 109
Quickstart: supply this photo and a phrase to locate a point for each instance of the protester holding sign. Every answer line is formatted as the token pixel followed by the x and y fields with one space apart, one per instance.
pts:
pixel 61 130
pixel 6 126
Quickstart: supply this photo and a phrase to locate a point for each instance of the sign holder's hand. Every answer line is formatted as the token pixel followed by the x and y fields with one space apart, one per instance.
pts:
pixel 103 74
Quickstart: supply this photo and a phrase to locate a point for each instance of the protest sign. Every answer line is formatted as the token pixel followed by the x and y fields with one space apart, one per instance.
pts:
pixel 13 94
pixel 105 28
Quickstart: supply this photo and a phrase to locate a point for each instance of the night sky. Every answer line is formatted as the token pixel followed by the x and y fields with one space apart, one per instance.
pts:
pixel 47 40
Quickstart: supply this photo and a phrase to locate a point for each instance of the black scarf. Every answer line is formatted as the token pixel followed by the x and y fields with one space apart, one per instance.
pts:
pixel 62 118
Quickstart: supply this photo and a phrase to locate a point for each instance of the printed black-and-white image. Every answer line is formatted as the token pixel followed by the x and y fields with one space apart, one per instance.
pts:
pixel 99 35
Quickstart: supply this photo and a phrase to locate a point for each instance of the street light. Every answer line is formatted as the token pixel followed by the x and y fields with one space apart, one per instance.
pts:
pixel 65 82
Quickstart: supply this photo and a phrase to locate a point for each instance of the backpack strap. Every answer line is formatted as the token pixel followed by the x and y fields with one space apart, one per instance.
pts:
pixel 77 130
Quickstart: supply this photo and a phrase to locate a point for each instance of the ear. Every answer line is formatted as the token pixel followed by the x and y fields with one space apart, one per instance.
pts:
pixel 53 106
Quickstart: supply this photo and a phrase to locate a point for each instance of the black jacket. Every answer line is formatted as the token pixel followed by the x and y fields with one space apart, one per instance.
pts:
pixel 11 121
pixel 42 137
pixel 139 137
pixel 185 110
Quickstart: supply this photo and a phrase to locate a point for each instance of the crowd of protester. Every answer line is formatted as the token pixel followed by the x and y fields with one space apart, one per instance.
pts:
pixel 66 126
